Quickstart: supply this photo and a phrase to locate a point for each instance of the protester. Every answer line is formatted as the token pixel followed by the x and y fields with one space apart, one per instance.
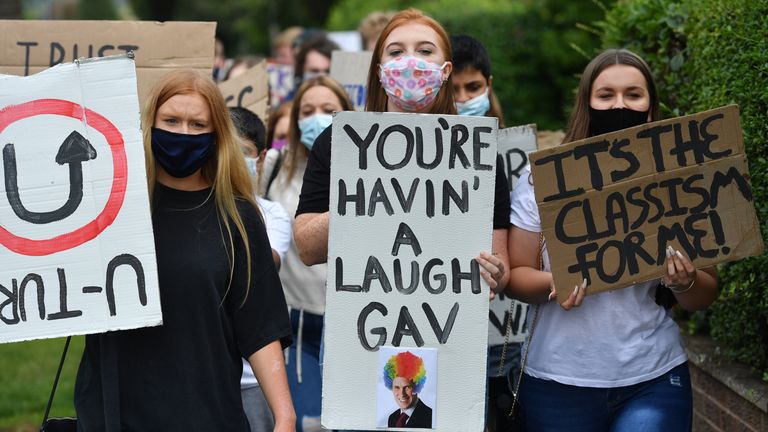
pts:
pixel 241 65
pixel 277 127
pixel 612 361
pixel 371 26
pixel 316 100
pixel 472 91
pixel 220 294
pixel 277 138
pixel 220 62
pixel 472 79
pixel 409 35
pixel 251 131
pixel 282 47
pixel 313 58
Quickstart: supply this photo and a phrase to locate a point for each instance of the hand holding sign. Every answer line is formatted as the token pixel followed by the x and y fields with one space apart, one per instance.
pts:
pixel 666 183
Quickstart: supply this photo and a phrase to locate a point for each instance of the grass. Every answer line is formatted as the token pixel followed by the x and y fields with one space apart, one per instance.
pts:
pixel 27 370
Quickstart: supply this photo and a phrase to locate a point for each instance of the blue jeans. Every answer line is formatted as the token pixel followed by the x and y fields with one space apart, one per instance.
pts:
pixel 306 394
pixel 661 404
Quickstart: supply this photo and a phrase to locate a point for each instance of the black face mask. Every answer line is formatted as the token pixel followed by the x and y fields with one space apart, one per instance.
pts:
pixel 181 155
pixel 615 119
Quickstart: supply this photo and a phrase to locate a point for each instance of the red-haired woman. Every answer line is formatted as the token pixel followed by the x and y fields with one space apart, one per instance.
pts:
pixel 410 41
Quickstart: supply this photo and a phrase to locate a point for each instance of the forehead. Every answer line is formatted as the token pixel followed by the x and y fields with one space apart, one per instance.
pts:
pixel 191 104
pixel 467 75
pixel 619 76
pixel 401 381
pixel 412 33
pixel 318 95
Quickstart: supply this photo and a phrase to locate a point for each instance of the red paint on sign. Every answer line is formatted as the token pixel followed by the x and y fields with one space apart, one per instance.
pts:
pixel 25 246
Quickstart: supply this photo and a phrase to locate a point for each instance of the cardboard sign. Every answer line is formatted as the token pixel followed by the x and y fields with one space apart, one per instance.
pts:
pixel 411 205
pixel 76 241
pixel 611 204
pixel 515 143
pixel 350 69
pixel 280 84
pixel 249 90
pixel 30 46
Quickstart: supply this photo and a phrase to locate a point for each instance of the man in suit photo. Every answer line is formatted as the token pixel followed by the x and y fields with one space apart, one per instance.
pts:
pixel 405 375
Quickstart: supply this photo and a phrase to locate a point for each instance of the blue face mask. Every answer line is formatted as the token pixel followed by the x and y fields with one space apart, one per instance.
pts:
pixel 312 126
pixel 253 166
pixel 181 155
pixel 477 106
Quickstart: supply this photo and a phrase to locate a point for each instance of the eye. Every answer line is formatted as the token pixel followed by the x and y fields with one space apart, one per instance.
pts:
pixel 425 51
pixel 474 87
pixel 170 120
pixel 198 125
pixel 395 52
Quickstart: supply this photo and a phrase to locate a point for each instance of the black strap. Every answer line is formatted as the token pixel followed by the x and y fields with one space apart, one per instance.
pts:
pixel 56 381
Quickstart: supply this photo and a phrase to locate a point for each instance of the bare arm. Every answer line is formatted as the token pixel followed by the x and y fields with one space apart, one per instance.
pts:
pixel 268 365
pixel 526 281
pixel 310 232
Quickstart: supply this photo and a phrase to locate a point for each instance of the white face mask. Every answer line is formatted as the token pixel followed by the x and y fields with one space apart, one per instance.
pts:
pixel 477 106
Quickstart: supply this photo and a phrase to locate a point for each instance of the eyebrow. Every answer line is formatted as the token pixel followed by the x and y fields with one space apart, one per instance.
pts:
pixel 417 44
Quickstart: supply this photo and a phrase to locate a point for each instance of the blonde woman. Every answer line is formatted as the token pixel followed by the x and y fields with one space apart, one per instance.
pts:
pixel 220 293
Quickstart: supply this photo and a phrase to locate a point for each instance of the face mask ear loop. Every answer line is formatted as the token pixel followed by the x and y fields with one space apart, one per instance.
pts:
pixel 445 63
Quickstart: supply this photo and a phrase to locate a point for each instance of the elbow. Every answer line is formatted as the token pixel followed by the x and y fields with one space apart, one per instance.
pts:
pixel 304 249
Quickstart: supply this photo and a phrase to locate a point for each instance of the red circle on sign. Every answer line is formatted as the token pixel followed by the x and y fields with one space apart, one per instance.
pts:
pixel 25 246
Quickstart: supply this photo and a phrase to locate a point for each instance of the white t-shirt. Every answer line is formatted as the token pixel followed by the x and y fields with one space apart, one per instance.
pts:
pixel 614 339
pixel 279 232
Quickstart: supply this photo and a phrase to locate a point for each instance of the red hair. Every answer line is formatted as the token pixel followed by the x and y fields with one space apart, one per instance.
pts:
pixel 377 97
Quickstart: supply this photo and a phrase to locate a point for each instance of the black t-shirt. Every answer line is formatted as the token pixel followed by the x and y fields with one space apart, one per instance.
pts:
pixel 185 374
pixel 315 191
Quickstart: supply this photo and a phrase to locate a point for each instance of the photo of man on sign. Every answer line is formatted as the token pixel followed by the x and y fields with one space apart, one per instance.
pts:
pixel 405 374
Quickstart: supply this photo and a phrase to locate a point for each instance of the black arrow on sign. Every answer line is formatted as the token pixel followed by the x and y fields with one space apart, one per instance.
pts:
pixel 73 151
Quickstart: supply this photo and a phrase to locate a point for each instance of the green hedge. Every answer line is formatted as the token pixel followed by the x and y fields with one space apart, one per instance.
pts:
pixel 536 49
pixel 705 54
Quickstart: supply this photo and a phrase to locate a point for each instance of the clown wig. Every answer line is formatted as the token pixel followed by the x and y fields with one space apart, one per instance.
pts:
pixel 408 366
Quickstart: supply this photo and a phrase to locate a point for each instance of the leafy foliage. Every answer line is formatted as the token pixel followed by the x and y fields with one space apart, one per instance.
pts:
pixel 536 49
pixel 706 54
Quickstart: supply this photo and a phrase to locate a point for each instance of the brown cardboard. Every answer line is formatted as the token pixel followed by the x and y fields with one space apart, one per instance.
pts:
pixel 249 90
pixel 29 46
pixel 563 183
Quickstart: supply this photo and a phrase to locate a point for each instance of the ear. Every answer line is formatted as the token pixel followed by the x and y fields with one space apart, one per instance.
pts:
pixel 490 81
pixel 447 69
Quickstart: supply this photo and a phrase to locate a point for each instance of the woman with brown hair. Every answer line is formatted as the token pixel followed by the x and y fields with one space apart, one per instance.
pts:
pixel 315 102
pixel 613 361
pixel 220 293
pixel 410 41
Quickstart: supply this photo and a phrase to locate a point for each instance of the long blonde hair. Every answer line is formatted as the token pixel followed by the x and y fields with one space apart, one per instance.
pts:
pixel 225 170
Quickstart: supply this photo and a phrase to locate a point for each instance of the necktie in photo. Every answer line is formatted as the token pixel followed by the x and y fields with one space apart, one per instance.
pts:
pixel 401 420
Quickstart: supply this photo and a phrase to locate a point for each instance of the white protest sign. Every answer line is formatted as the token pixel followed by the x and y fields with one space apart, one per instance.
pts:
pixel 514 145
pixel 350 69
pixel 280 83
pixel 76 241
pixel 411 205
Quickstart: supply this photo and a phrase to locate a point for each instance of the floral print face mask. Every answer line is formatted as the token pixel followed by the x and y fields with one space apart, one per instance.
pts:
pixel 411 83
